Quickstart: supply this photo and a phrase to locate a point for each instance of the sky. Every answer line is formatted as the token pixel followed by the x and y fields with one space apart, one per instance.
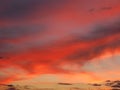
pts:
pixel 59 41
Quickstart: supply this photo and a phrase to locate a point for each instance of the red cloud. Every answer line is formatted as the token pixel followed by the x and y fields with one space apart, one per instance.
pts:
pixel 63 41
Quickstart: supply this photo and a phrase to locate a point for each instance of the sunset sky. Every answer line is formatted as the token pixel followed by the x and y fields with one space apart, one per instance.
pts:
pixel 59 41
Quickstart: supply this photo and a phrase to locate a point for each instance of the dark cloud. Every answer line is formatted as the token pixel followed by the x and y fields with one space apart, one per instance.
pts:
pixel 7 47
pixel 106 8
pixel 14 33
pixel 108 30
pixel 17 9
pixel 14 8
pixel 99 9
pixel 1 57
pixel 106 39
pixel 92 9
pixel 102 32
pixel 20 31
pixel 99 32
pixel 94 52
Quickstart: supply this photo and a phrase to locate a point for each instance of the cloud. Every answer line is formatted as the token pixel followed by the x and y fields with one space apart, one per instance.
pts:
pixel 10 35
pixel 101 40
pixel 16 32
pixel 99 9
pixel 94 52
pixel 16 10
pixel 52 37
pixel 78 50
pixel 106 8
pixel 1 57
